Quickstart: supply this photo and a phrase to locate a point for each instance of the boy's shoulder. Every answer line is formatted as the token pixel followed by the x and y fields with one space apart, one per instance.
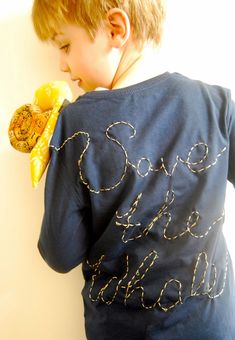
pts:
pixel 191 84
pixel 101 111
pixel 166 85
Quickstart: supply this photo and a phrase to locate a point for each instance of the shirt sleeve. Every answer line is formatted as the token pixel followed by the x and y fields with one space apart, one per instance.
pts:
pixel 64 237
pixel 231 169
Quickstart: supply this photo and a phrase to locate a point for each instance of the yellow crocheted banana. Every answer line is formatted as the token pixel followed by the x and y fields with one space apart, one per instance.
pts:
pixel 49 96
pixel 32 125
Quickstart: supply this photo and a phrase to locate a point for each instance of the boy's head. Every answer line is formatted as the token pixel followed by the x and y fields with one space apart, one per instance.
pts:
pixel 98 40
pixel 146 16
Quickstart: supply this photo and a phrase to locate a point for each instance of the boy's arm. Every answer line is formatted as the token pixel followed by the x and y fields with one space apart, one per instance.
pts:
pixel 231 169
pixel 63 240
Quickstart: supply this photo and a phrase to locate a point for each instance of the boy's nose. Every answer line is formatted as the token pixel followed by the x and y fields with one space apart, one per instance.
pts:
pixel 63 65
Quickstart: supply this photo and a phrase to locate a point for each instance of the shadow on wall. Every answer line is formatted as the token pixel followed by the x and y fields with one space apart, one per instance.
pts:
pixel 34 299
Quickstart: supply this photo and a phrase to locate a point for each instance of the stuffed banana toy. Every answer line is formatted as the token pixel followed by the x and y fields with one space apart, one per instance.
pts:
pixel 32 125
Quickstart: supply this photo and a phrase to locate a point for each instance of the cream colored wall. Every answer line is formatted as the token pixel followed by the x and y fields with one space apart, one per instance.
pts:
pixel 35 302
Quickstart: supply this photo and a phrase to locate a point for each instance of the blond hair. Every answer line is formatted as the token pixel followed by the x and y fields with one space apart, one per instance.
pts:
pixel 146 16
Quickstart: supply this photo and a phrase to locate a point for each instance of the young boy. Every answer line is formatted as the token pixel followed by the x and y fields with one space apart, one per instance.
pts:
pixel 136 184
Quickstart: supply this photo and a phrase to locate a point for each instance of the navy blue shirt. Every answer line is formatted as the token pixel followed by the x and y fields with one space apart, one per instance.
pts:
pixel 135 192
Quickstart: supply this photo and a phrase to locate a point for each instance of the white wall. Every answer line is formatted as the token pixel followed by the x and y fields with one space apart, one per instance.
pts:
pixel 35 302
pixel 199 42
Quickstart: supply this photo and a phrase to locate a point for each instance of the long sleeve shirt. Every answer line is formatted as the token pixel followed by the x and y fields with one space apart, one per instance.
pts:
pixel 135 192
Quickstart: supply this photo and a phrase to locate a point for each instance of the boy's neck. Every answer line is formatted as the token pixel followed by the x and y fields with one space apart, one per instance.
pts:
pixel 137 66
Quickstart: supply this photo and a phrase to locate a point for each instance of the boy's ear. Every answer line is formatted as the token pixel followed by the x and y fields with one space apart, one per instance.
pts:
pixel 118 27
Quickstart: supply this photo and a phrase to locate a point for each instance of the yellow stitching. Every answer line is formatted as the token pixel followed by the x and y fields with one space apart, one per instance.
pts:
pixel 86 147
pixel 101 292
pixel 182 233
pixel 138 276
pixel 179 296
pixel 109 302
pixel 162 168
pixel 192 221
pixel 126 160
pixel 69 139
pixel 158 301
pixel 133 208
pixel 208 229
pixel 194 292
pixel 203 158
pixel 144 268
pixel 170 197
pixel 210 288
pixel 138 167
pixel 190 225
pixel 224 282
pixel 190 164
pixel 129 214
pixel 130 287
pixel 207 290
pixel 96 265
pixel 125 166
